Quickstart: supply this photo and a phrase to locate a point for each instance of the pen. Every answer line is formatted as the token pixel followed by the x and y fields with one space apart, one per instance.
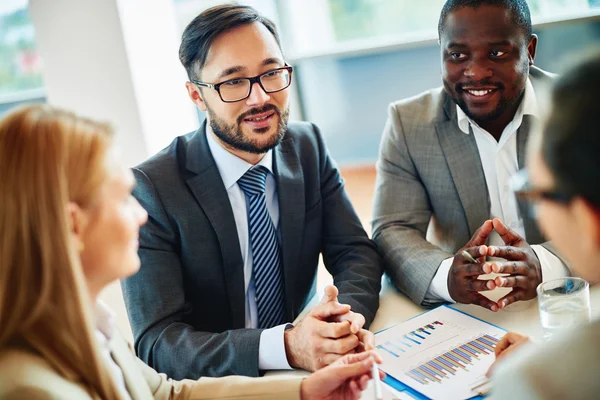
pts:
pixel 482 388
pixel 376 382
pixel 469 257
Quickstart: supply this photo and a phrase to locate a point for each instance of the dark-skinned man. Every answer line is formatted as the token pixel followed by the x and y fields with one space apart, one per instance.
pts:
pixel 446 160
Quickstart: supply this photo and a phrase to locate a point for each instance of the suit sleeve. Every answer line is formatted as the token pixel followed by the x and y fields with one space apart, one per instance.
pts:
pixel 401 215
pixel 156 305
pixel 348 253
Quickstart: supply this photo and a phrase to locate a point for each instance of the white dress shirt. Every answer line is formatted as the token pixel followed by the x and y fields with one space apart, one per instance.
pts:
pixel 105 328
pixel 271 352
pixel 499 162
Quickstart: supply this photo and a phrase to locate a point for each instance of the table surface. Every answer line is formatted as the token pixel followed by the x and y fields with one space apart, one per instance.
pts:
pixel 395 308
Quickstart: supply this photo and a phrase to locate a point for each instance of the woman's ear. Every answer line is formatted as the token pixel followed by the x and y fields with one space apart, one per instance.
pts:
pixel 77 222
pixel 588 222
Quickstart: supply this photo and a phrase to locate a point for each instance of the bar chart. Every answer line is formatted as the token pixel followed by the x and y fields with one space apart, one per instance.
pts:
pixel 441 353
pixel 447 364
pixel 410 339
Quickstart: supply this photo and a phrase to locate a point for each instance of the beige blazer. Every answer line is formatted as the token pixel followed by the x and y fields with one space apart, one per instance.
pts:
pixel 26 375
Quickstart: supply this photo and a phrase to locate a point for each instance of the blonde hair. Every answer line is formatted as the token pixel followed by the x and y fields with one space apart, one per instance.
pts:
pixel 48 158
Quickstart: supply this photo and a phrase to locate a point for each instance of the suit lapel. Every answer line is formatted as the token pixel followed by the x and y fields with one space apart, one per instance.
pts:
pixel 208 189
pixel 290 191
pixel 522 137
pixel 464 163
pixel 532 233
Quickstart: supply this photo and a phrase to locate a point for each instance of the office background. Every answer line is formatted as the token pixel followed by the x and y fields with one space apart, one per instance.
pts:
pixel 116 60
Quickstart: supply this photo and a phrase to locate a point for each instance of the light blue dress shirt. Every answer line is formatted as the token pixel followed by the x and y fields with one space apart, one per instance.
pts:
pixel 271 352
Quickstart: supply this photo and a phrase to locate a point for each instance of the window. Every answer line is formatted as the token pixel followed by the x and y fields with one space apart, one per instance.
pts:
pixel 328 26
pixel 20 64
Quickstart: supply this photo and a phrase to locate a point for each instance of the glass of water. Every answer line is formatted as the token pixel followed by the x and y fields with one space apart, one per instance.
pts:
pixel 564 303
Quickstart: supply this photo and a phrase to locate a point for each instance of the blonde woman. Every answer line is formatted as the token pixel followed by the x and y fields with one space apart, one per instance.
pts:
pixel 68 227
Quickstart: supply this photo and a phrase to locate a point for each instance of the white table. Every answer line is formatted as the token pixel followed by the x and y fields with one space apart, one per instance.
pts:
pixel 395 308
pixel 523 317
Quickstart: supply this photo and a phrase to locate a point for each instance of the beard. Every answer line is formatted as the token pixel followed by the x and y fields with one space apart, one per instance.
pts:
pixel 233 135
pixel 504 104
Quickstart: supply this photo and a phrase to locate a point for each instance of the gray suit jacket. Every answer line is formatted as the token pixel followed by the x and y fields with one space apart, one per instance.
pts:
pixel 431 194
pixel 186 305
pixel 564 368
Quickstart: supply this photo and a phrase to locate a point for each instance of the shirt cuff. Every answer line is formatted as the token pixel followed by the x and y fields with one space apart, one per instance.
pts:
pixel 438 289
pixel 552 266
pixel 271 349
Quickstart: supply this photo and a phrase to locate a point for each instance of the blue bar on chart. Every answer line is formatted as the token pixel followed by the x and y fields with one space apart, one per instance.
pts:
pixel 447 364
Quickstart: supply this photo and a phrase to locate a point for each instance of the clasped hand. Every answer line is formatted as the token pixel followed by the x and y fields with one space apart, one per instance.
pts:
pixel 520 263
pixel 328 332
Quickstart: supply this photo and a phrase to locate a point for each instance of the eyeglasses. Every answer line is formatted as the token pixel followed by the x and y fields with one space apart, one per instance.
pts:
pixel 523 188
pixel 239 89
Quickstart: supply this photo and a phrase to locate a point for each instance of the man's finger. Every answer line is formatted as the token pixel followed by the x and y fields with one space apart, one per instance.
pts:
pixel 476 285
pixel 333 330
pixel 519 281
pixel 517 294
pixel 476 251
pixel 484 302
pixel 509 236
pixel 510 267
pixel 339 346
pixel 481 235
pixel 329 295
pixel 367 339
pixel 328 310
pixel 356 320
pixel 507 252
pixel 470 269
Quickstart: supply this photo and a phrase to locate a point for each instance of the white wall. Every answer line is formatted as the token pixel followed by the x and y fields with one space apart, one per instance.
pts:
pixel 116 60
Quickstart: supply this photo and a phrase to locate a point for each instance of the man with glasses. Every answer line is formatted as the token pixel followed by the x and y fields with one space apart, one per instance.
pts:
pixel 239 212
pixel 446 159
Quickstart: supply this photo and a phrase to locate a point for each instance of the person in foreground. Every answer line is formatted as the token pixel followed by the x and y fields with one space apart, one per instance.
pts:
pixel 239 213
pixel 564 188
pixel 68 227
pixel 446 159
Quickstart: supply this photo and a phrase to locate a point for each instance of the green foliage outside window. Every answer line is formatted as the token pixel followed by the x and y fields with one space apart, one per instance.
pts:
pixel 358 19
pixel 20 64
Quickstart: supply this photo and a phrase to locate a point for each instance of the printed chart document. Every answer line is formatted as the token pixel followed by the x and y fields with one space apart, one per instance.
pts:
pixel 441 354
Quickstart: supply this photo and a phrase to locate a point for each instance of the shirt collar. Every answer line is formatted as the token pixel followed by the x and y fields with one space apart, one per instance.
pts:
pixel 231 167
pixel 105 322
pixel 528 106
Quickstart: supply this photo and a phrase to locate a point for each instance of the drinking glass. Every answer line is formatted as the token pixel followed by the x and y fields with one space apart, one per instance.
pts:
pixel 564 303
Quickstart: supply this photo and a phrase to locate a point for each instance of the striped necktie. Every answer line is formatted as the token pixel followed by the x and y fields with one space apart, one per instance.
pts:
pixel 266 254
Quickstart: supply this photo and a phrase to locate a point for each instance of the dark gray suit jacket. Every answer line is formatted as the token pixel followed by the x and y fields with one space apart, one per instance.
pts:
pixel 186 305
pixel 431 193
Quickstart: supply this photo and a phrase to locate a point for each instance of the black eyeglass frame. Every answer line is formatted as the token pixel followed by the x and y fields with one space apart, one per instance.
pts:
pixel 253 80
pixel 523 189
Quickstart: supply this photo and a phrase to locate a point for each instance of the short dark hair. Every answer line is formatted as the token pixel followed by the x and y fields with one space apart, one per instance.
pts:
pixel 518 8
pixel 571 140
pixel 199 35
